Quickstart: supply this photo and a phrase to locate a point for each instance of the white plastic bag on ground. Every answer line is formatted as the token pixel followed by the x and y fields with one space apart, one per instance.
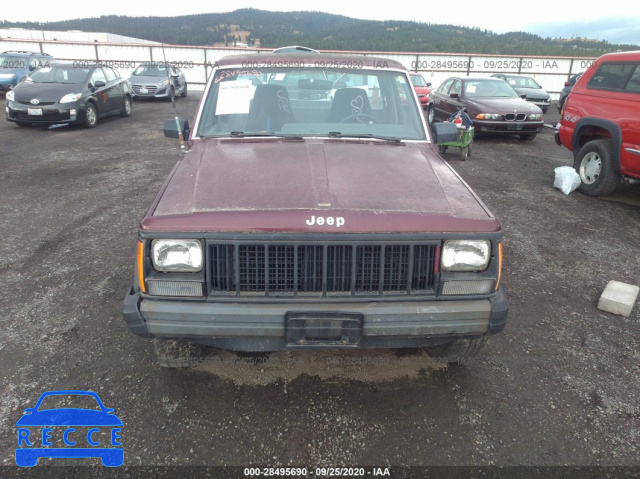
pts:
pixel 567 180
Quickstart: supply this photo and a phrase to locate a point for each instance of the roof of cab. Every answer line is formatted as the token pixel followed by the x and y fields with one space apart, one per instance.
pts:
pixel 308 59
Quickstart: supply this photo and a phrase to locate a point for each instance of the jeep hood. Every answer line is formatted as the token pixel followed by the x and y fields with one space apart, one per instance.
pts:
pixel 276 185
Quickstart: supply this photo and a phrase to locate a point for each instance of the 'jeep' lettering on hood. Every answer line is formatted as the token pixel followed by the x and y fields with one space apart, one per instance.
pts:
pixel 337 221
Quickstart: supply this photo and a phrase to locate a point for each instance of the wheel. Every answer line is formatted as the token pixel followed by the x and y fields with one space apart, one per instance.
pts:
pixel 458 350
pixel 469 149
pixel 442 149
pixel 430 115
pixel 172 95
pixel 184 91
pixel 128 106
pixel 22 123
pixel 594 164
pixel 91 116
pixel 173 353
pixel 463 154
pixel 528 136
pixel 360 115
pixel 545 109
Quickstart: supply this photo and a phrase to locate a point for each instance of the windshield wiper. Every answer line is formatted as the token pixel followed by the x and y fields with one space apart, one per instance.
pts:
pixel 337 134
pixel 243 134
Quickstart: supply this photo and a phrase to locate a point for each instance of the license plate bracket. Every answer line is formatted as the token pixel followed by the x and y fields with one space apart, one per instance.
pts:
pixel 323 328
pixel 34 111
pixel 515 126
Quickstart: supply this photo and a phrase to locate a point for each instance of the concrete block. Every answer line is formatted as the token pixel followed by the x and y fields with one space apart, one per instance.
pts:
pixel 618 298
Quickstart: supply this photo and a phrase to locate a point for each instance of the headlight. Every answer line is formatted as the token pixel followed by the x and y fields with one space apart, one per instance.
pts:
pixel 183 256
pixel 70 97
pixel 465 255
pixel 7 75
pixel 11 96
pixel 488 116
pixel 535 116
pixel 163 82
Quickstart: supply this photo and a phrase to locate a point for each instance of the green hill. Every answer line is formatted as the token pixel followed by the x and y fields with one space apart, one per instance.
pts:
pixel 325 31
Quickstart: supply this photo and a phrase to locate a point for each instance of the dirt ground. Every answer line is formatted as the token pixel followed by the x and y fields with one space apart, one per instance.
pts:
pixel 558 387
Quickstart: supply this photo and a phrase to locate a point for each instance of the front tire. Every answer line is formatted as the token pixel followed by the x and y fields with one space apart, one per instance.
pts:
pixel 184 91
pixel 430 114
pixel 458 350
pixel 594 164
pixel 90 116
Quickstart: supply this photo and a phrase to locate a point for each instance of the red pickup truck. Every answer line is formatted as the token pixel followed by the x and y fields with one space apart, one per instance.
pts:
pixel 600 123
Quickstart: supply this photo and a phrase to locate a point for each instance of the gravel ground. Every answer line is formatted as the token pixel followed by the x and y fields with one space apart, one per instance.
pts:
pixel 558 387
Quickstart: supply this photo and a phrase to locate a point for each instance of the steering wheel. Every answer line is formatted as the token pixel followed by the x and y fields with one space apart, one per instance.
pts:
pixel 373 118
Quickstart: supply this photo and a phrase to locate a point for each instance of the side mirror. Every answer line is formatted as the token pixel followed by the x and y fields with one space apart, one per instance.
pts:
pixel 100 84
pixel 523 96
pixel 428 83
pixel 171 129
pixel 31 68
pixel 444 132
pixel 454 95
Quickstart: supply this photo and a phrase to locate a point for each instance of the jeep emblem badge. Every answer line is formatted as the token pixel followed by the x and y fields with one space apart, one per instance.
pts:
pixel 35 101
pixel 337 221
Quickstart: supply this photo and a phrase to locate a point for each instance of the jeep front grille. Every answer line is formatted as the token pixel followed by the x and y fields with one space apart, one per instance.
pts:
pixel 302 270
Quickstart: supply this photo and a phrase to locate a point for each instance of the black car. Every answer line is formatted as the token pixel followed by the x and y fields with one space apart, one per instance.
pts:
pixel 69 93
pixel 526 85
pixel 568 85
pixel 493 105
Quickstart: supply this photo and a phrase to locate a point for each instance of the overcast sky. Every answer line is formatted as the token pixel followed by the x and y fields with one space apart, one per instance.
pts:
pixel 617 21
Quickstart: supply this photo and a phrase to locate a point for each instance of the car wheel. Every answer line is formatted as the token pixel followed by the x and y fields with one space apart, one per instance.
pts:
pixel 91 116
pixel 23 123
pixel 128 107
pixel 594 164
pixel 173 353
pixel 430 114
pixel 545 109
pixel 528 137
pixel 184 91
pixel 458 350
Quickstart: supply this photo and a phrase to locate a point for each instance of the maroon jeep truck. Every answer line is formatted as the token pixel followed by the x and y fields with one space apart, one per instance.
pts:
pixel 311 210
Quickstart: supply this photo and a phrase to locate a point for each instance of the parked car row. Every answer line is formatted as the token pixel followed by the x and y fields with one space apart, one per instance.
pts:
pixel 41 90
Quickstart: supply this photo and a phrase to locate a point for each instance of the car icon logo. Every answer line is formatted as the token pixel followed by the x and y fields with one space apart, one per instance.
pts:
pixel 35 101
pixel 69 432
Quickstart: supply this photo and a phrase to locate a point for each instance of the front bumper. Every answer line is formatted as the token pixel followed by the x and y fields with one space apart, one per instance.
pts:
pixel 57 113
pixel 508 127
pixel 262 326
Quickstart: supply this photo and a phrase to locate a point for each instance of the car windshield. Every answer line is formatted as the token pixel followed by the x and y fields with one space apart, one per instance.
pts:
pixel 417 80
pixel 151 71
pixel 311 102
pixel 522 82
pixel 488 89
pixel 13 61
pixel 63 401
pixel 60 74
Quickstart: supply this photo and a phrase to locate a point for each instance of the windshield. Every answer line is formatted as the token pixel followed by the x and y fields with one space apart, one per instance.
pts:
pixel 522 82
pixel 311 102
pixel 151 71
pixel 488 89
pixel 417 80
pixel 13 61
pixel 59 74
